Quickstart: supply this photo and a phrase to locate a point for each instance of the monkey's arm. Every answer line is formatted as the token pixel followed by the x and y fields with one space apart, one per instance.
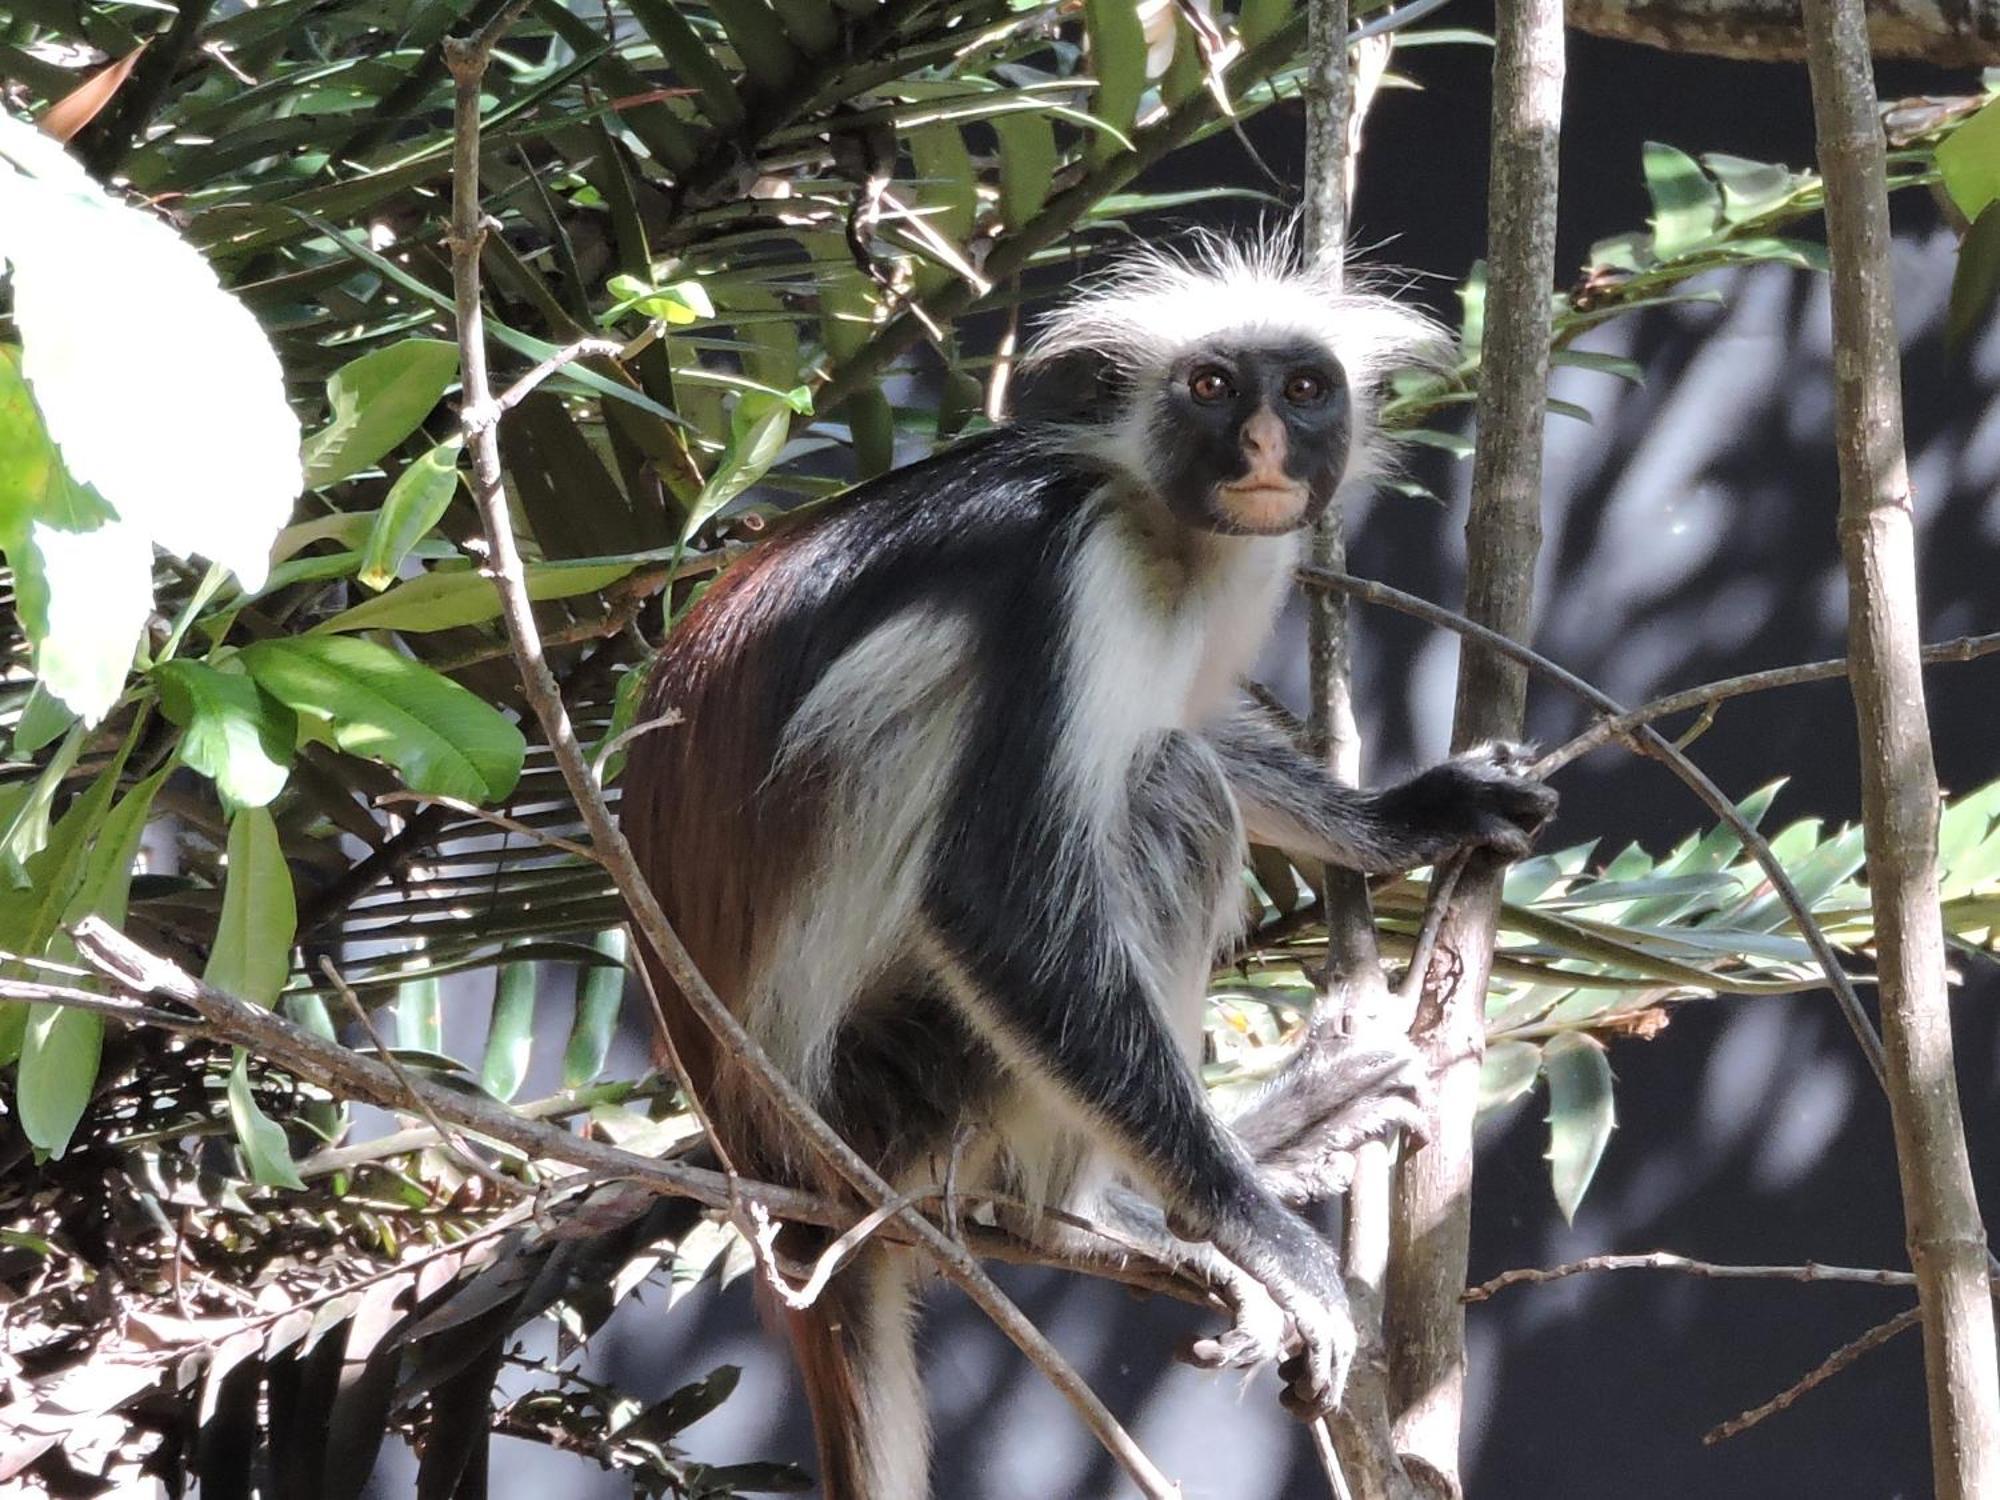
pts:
pixel 1288 800
pixel 1054 989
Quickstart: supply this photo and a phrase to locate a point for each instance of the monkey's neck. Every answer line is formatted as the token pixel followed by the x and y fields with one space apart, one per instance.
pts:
pixel 1188 565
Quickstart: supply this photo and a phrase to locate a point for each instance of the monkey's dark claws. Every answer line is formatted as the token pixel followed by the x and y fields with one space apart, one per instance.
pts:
pixel 1479 800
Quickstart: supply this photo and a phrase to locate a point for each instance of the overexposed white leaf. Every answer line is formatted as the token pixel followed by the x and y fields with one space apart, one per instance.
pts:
pixel 89 593
pixel 157 385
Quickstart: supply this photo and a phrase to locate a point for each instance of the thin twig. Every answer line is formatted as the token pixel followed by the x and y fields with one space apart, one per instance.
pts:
pixel 467 63
pixel 1666 1260
pixel 1711 795
pixel 1960 649
pixel 1819 1374
pixel 521 389
pixel 450 1139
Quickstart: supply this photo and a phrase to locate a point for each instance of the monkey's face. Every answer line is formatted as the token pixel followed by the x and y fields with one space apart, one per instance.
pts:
pixel 1251 439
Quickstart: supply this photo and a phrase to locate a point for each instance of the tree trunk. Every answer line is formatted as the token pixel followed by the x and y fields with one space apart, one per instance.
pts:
pixel 1899 792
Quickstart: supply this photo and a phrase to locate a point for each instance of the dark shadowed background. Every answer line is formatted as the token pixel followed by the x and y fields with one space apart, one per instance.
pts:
pixel 1689 535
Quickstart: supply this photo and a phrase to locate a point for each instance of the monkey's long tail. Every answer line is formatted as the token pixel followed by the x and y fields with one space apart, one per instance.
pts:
pixel 856 1353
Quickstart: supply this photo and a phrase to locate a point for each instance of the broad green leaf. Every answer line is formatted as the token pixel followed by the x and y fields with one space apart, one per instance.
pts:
pixel 1508 1071
pixel 253 936
pixel 1581 1114
pixel 1686 204
pixel 767 55
pixel 61 1046
pixel 1969 161
pixel 1618 365
pixel 446 598
pixel 600 989
pixel 83 577
pixel 265 1151
pixel 1118 62
pixel 42 719
pixel 1750 189
pixel 377 401
pixel 510 1036
pixel 30 914
pixel 666 1418
pixel 1976 281
pixel 1028 162
pixel 757 432
pixel 170 405
pixel 233 732
pixel 441 738
pixel 417 502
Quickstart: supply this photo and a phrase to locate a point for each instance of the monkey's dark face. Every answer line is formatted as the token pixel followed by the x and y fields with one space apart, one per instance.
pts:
pixel 1251 439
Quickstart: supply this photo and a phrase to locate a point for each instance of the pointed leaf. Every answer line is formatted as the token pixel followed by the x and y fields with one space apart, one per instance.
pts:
pixel 1581 1114
pixel 234 733
pixel 378 400
pixel 1686 204
pixel 1969 161
pixel 510 1036
pixel 446 598
pixel 265 1151
pixel 253 937
pixel 417 502
pixel 600 991
pixel 441 738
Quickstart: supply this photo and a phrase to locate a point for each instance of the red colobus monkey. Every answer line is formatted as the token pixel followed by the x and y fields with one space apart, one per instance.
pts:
pixel 955 815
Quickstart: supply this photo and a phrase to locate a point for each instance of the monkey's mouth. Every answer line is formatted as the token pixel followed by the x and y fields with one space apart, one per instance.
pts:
pixel 1261 507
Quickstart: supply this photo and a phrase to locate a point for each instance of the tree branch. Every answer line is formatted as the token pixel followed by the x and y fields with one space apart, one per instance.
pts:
pixel 1666 1260
pixel 1432 1218
pixel 1965 35
pixel 467 63
pixel 1899 790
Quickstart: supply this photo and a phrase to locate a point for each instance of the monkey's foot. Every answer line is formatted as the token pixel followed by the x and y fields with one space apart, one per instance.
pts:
pixel 1336 1095
pixel 1258 1329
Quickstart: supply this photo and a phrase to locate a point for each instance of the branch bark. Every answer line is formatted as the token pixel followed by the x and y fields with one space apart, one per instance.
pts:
pixel 1899 791
pixel 1358 1444
pixel 467 61
pixel 1961 35
pixel 1431 1223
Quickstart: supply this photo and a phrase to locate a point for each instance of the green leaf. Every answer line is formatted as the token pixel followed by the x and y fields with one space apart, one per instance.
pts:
pixel 417 502
pixel 145 395
pixel 677 305
pixel 234 733
pixel 1750 189
pixel 253 936
pixel 510 1036
pixel 691 58
pixel 1028 162
pixel 446 598
pixel 441 738
pixel 757 432
pixel 1686 204
pixel 1976 281
pixel 378 400
pixel 61 1047
pixel 420 1013
pixel 1509 1071
pixel 265 1151
pixel 30 913
pixel 666 1418
pixel 1118 61
pixel 42 719
pixel 1616 365
pixel 1581 1114
pixel 25 828
pixel 1969 161
pixel 600 990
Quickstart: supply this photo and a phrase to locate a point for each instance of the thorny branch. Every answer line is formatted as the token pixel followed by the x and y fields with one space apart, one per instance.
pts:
pixel 467 62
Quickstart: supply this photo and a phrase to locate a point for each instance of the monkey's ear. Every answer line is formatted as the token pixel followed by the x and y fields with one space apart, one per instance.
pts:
pixel 1077 385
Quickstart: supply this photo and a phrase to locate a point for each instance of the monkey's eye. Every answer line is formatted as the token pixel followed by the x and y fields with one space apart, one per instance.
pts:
pixel 1303 388
pixel 1209 385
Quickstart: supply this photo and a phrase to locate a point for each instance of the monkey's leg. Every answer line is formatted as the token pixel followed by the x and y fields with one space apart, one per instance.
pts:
pixel 1336 1094
pixel 1476 800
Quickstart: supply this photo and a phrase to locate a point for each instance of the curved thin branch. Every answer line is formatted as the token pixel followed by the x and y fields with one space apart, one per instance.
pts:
pixel 1660 749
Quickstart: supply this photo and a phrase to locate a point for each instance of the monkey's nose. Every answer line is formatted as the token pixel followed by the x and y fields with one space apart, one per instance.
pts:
pixel 1264 439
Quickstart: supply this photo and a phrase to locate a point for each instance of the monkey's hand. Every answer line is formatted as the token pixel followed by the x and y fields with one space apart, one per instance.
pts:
pixel 1335 1095
pixel 1480 800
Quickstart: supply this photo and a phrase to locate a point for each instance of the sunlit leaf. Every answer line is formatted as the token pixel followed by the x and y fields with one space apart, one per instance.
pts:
pixel 1969 161
pixel 446 598
pixel 377 401
pixel 600 990
pixel 1686 204
pixel 1508 1071
pixel 510 1035
pixel 417 501
pixel 253 936
pixel 233 732
pixel 170 405
pixel 385 707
